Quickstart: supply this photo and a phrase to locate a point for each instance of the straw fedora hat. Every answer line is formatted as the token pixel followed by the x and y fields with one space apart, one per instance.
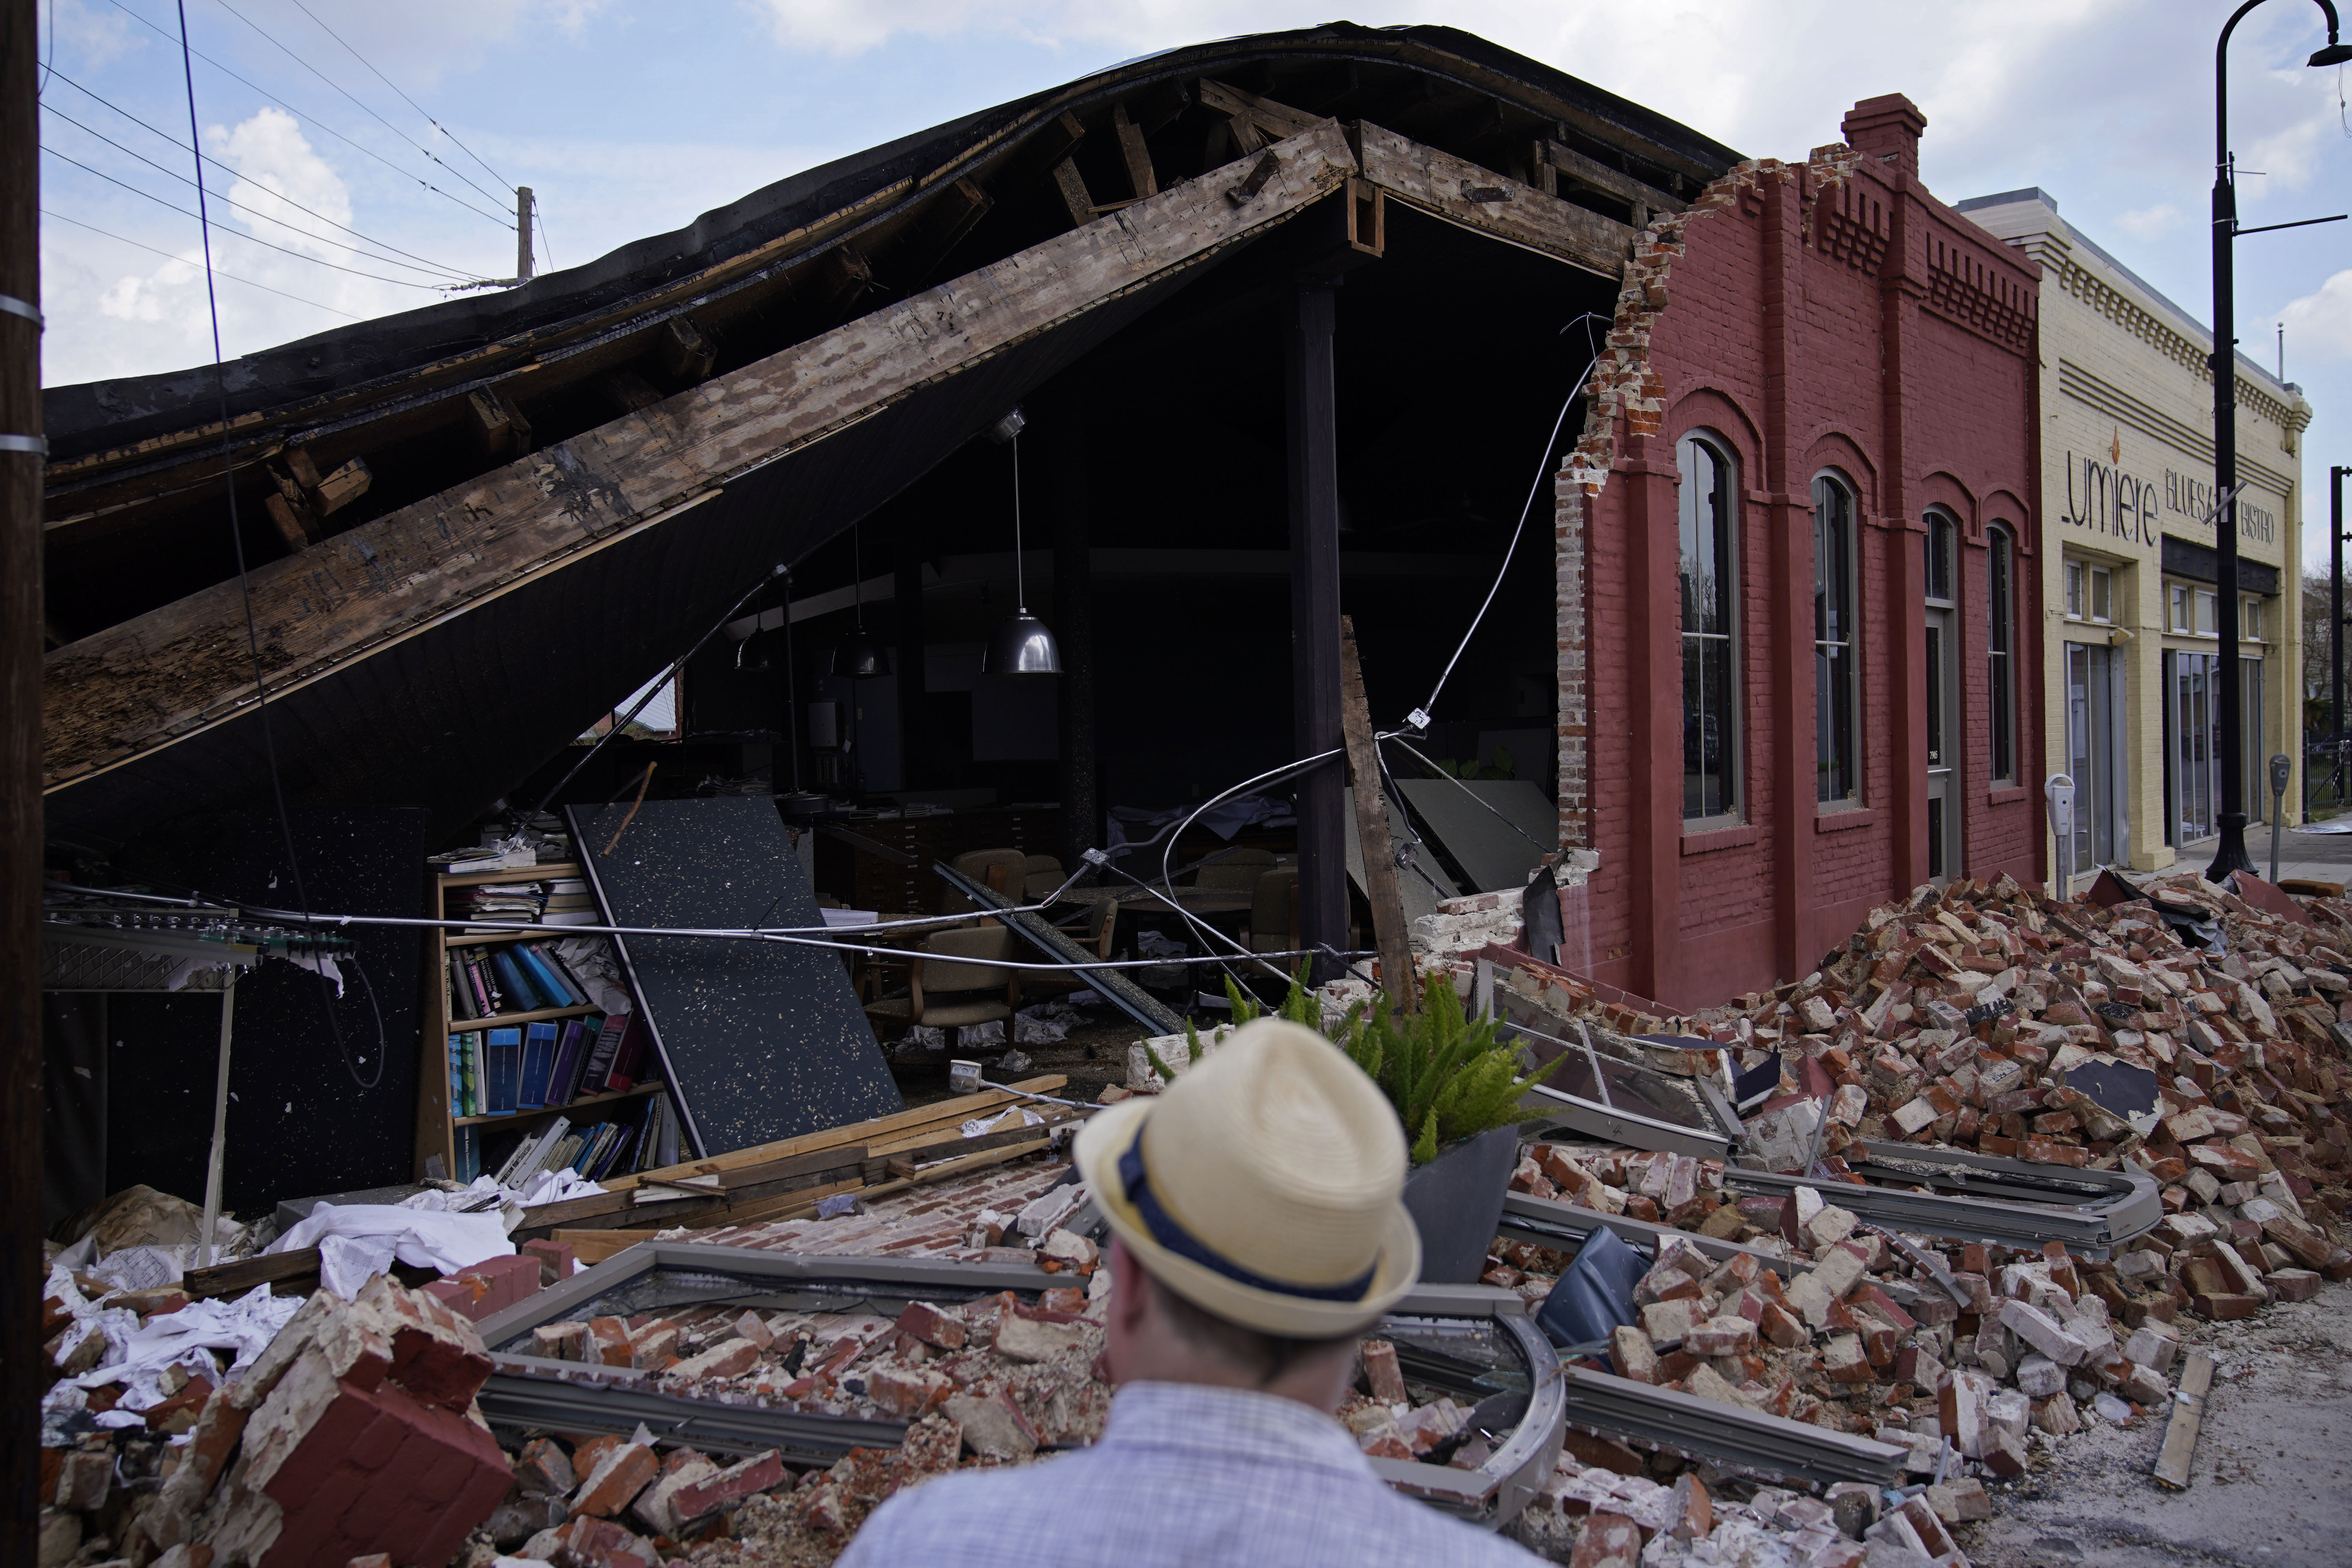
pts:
pixel 1263 1187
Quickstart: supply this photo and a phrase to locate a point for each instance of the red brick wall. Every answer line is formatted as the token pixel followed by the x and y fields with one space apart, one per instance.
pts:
pixel 1827 314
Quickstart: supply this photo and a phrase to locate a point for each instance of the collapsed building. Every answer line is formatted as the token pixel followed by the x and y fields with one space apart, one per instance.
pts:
pixel 1288 321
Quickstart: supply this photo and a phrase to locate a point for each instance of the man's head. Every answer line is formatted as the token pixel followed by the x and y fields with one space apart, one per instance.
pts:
pixel 1257 1216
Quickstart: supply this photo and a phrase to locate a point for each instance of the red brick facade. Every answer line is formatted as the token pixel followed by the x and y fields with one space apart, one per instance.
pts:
pixel 1825 316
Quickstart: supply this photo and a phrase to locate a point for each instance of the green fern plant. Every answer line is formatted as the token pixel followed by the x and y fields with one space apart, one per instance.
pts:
pixel 1448 1076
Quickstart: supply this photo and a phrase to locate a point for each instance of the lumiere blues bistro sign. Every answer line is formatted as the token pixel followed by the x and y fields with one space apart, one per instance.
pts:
pixel 2107 499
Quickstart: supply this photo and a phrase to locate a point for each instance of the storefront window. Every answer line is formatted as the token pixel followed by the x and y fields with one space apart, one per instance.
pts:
pixel 1710 514
pixel 2000 608
pixel 1836 676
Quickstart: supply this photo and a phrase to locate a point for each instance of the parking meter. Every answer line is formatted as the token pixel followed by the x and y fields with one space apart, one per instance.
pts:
pixel 2060 794
pixel 2281 766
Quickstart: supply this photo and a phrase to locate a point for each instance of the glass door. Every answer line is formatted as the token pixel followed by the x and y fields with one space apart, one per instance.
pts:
pixel 2251 750
pixel 1942 748
pixel 2095 710
pixel 2195 722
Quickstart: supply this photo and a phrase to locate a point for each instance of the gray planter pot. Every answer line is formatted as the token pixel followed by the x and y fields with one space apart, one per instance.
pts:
pixel 1456 1201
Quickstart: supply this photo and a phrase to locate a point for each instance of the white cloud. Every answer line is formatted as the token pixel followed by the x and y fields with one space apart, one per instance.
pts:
pixel 2149 223
pixel 2320 323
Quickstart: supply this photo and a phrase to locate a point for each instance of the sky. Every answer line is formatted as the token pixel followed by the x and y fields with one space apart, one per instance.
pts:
pixel 355 135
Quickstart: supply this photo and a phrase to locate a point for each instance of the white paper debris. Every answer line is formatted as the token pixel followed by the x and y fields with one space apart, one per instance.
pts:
pixel 1011 1116
pixel 348 1263
pixel 422 1239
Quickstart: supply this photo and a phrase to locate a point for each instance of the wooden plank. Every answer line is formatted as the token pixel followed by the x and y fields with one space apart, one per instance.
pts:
pixel 958 1167
pixel 592 1247
pixel 1277 120
pixel 868 1133
pixel 1140 178
pixel 1381 890
pixel 1461 192
pixel 2188 1415
pixel 235 1278
pixel 1071 185
pixel 931 1146
pixel 1599 176
pixel 140 685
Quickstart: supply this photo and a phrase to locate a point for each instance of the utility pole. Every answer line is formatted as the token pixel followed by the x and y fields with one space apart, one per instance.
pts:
pixel 522 235
pixel 2230 852
pixel 2335 623
pixel 22 452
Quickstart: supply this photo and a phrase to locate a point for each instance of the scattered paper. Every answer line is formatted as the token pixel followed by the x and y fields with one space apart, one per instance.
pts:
pixel 346 1263
pixel 1011 1117
pixel 422 1239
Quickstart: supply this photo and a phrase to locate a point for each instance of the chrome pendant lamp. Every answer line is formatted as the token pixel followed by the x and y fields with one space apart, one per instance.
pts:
pixel 860 655
pixel 1023 645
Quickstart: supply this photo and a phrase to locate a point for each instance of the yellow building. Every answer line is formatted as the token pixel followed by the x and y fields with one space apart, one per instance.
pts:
pixel 2131 666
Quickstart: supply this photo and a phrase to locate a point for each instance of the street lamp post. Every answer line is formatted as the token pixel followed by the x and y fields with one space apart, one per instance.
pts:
pixel 2229 855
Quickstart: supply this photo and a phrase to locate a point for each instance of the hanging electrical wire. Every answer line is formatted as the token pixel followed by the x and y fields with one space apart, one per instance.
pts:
pixel 362 105
pixel 249 212
pixel 308 118
pixel 211 228
pixel 403 98
pixel 244 581
pixel 1419 718
pixel 250 179
pixel 157 250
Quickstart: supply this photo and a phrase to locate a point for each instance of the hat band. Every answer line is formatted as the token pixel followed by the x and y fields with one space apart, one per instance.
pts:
pixel 1183 1243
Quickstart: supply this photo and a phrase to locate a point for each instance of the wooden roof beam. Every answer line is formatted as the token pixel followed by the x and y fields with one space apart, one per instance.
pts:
pixel 141 685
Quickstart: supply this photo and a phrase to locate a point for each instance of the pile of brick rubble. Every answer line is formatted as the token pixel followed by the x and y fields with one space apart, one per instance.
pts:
pixel 1957 1018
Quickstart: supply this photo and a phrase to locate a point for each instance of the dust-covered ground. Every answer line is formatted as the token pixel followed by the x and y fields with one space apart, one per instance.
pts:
pixel 2268 1484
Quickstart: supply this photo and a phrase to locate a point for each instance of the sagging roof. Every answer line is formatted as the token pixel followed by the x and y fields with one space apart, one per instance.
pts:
pixel 607 458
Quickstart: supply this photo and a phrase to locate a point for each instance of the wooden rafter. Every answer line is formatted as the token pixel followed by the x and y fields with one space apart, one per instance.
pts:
pixel 142 684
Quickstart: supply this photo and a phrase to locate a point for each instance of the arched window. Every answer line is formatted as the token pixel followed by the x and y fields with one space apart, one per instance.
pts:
pixel 1710 641
pixel 2001 645
pixel 1836 656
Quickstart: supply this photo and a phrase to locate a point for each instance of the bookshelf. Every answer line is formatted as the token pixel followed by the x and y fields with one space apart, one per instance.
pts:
pixel 437 1127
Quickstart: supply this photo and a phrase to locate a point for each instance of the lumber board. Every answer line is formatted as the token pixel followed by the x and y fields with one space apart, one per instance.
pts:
pixel 869 1132
pixel 138 686
pixel 592 1247
pixel 933 1146
pixel 1381 890
pixel 234 1278
pixel 1616 183
pixel 1438 182
pixel 2188 1415
pixel 958 1167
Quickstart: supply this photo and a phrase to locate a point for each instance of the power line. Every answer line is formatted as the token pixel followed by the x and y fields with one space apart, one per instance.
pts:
pixel 240 207
pixel 157 250
pixel 216 163
pixel 231 233
pixel 309 120
pixel 411 103
pixel 283 48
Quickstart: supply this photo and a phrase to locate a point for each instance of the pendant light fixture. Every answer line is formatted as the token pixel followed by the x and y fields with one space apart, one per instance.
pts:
pixel 1023 645
pixel 860 655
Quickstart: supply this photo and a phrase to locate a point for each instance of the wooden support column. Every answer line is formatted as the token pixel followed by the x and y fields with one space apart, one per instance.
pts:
pixel 1312 415
pixel 1653 686
pixel 916 749
pixel 21 1360
pixel 1061 430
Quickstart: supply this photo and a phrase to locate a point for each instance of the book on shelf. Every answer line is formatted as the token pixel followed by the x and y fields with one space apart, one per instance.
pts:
pixel 601 1052
pixel 488 1000
pixel 547 977
pixel 461 991
pixel 570 1047
pixel 614 1156
pixel 519 995
pixel 628 1060
pixel 467 1144
pixel 530 1156
pixel 503 1071
pixel 538 1066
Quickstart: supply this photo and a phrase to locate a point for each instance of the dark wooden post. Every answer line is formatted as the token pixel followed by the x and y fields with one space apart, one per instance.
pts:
pixel 1312 418
pixel 1062 432
pixel 917 748
pixel 20 790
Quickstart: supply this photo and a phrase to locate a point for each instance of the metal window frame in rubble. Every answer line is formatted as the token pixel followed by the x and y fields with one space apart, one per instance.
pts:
pixel 536 1392
pixel 2019 1208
